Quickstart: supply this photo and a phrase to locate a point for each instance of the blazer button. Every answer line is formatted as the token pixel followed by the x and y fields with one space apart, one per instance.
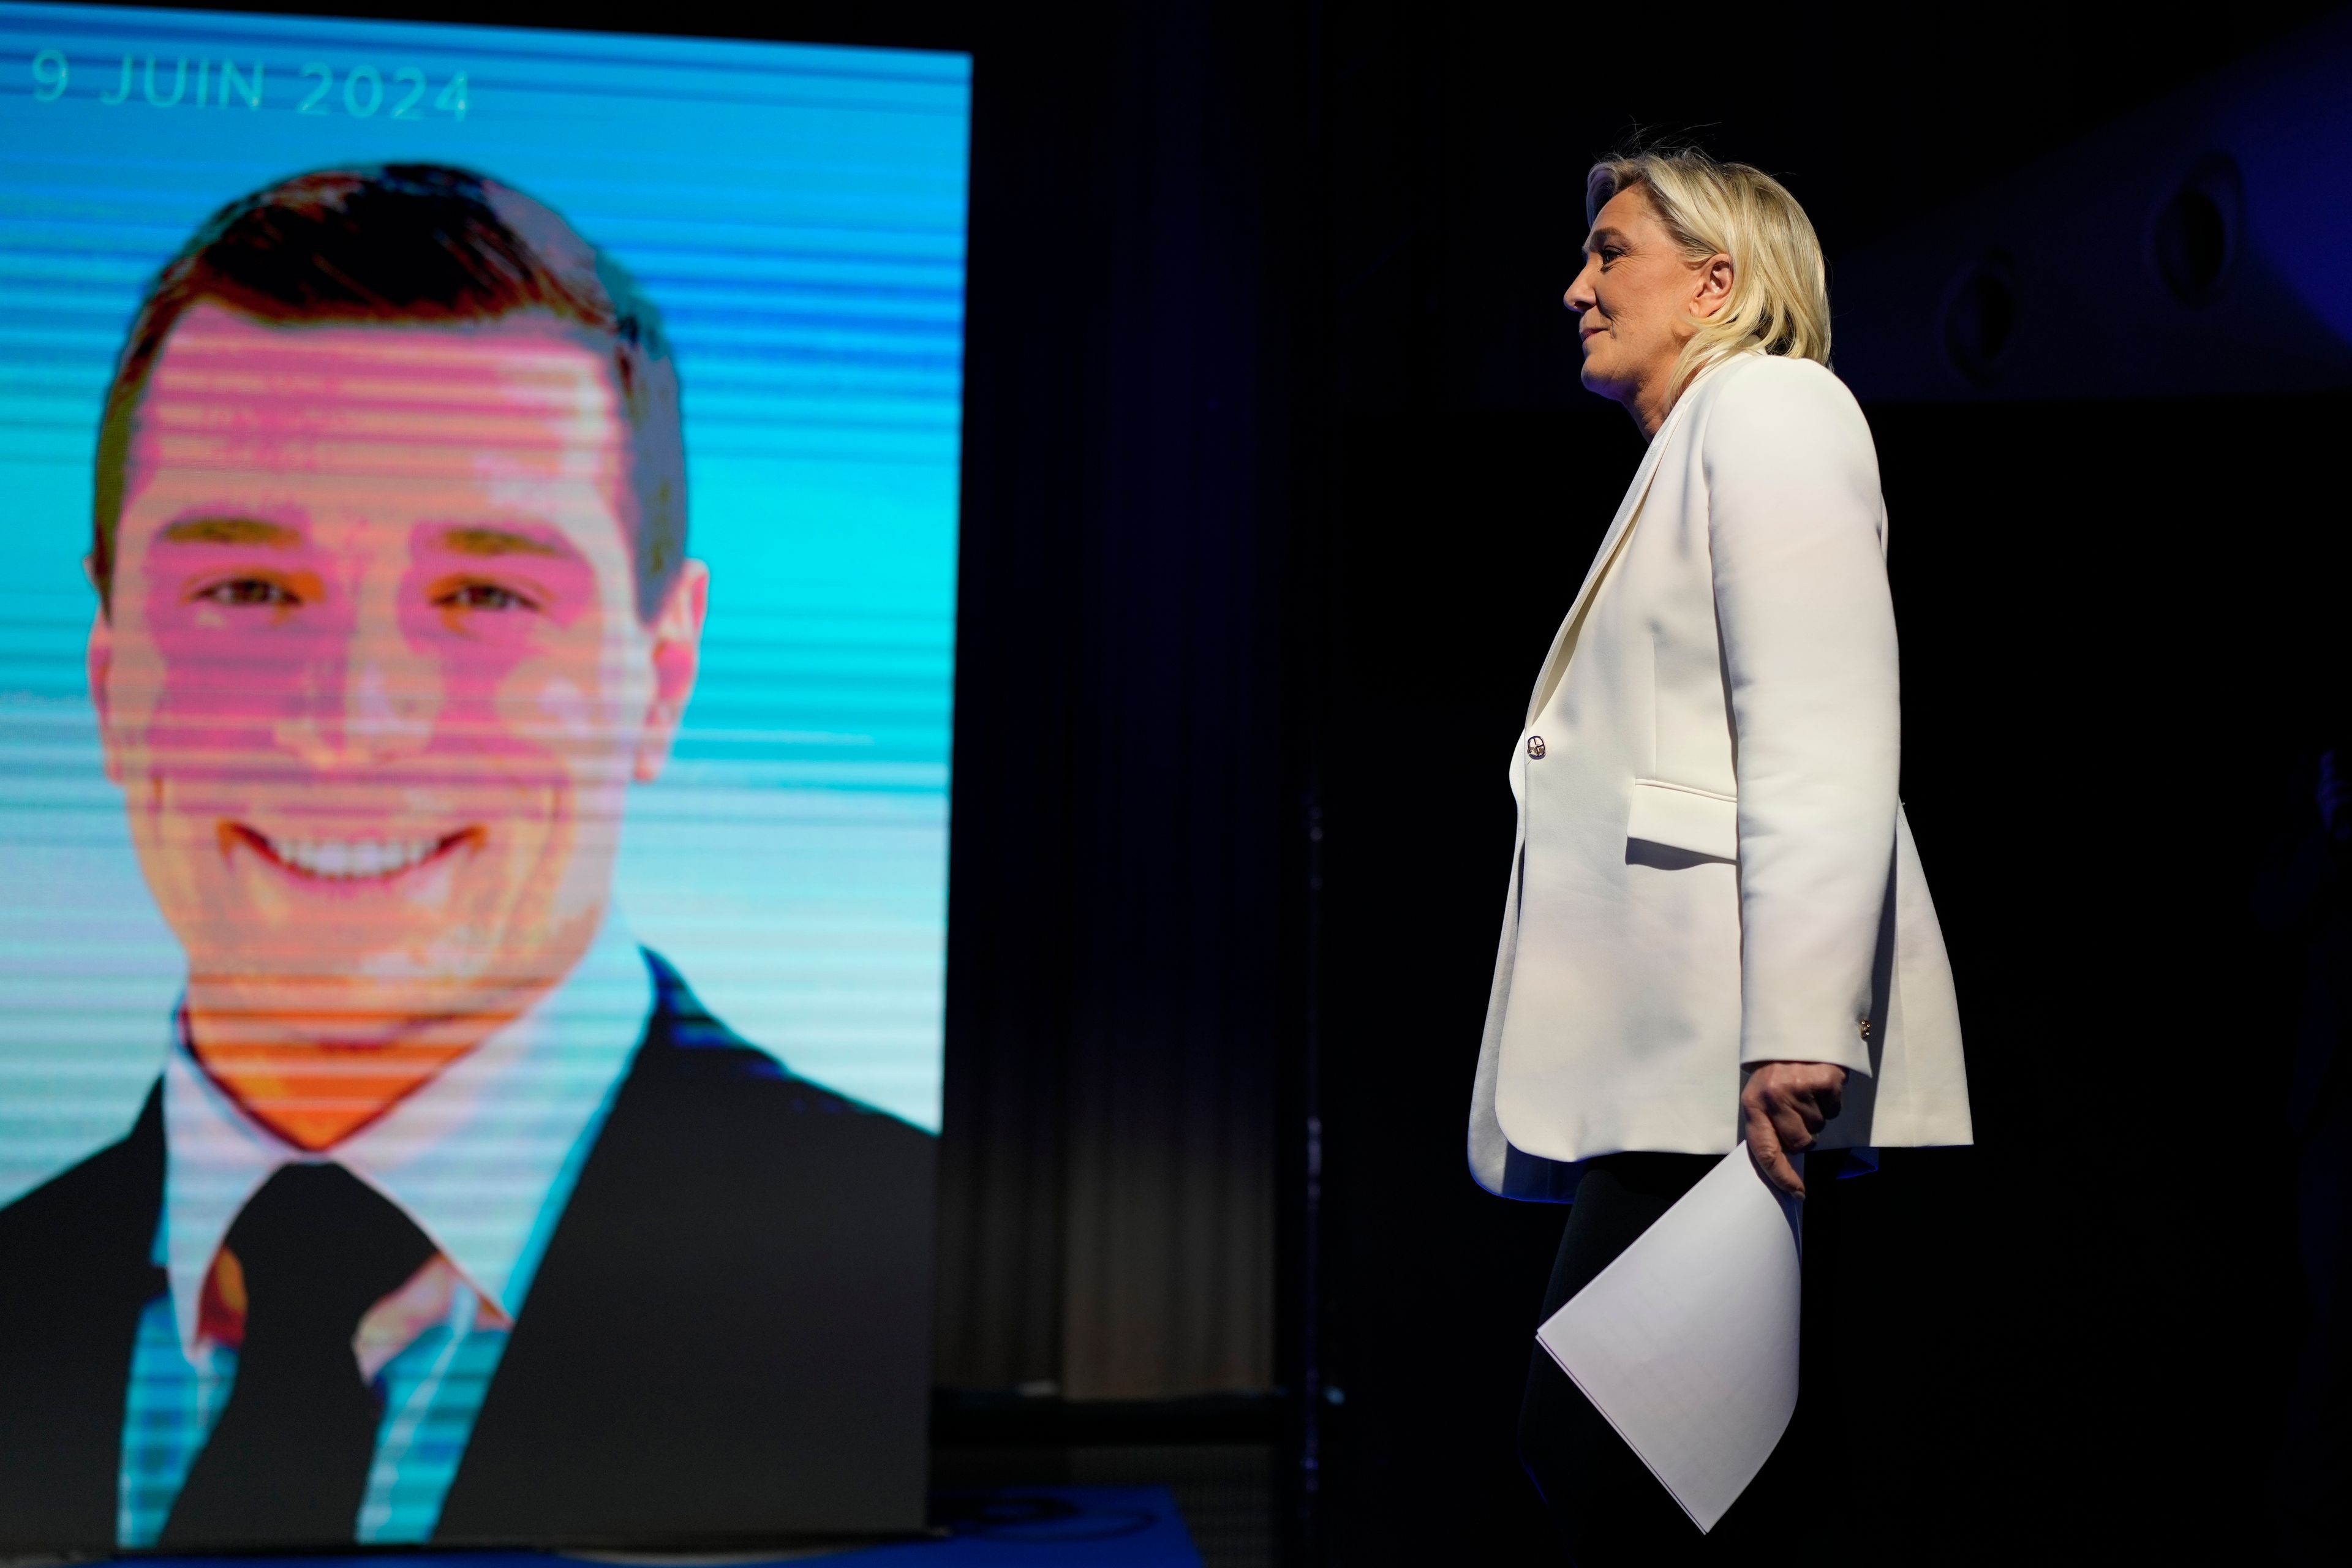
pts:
pixel 1862 1024
pixel 1535 745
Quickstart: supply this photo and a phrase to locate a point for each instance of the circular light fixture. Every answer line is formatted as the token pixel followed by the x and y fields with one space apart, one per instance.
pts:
pixel 2199 231
pixel 1980 317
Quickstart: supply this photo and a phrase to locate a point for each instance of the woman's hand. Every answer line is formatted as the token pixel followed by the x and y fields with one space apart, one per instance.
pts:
pixel 1784 1105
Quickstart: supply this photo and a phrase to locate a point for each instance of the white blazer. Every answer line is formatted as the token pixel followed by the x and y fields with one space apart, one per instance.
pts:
pixel 1712 868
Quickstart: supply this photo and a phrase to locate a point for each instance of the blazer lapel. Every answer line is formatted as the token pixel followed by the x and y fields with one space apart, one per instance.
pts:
pixel 75 1274
pixel 1563 642
pixel 589 1313
pixel 721 1339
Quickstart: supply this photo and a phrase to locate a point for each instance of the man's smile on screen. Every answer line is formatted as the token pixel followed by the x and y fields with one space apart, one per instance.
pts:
pixel 375 681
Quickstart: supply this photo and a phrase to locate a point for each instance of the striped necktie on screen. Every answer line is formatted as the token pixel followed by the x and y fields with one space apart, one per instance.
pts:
pixel 287 1462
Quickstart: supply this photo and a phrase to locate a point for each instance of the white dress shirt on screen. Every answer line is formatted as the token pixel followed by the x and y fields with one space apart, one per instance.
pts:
pixel 482 1157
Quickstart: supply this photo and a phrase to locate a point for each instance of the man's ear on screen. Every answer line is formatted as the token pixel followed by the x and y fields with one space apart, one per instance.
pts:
pixel 677 654
pixel 99 664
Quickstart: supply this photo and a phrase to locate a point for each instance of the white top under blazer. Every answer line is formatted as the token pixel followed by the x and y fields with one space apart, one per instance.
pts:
pixel 1712 868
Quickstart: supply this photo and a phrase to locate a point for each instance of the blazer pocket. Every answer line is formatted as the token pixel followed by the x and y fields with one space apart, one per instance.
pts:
pixel 1697 821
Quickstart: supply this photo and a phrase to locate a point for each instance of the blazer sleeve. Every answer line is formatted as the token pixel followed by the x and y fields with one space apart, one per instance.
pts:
pixel 1796 534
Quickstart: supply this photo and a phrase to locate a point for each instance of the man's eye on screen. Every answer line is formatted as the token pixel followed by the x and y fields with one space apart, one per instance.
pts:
pixel 251 591
pixel 484 596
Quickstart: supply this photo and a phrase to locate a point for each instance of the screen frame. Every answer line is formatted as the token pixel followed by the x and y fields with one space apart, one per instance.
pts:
pixel 889 25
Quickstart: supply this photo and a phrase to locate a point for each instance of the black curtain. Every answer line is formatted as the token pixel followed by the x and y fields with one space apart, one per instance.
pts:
pixel 1108 1198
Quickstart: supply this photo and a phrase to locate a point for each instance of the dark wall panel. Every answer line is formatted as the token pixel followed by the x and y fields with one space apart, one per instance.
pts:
pixel 1108 1206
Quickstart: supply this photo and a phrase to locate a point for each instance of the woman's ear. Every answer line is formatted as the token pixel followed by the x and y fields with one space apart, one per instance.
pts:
pixel 1715 280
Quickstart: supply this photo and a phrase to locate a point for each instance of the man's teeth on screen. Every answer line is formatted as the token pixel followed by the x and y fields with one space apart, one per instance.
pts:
pixel 353 859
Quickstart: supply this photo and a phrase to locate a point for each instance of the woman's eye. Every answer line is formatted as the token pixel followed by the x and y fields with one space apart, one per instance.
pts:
pixel 484 596
pixel 248 591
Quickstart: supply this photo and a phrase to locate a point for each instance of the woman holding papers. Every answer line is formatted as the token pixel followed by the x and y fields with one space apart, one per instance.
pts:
pixel 1718 929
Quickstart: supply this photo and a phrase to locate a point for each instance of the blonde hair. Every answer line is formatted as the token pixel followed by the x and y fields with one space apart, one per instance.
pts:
pixel 1780 302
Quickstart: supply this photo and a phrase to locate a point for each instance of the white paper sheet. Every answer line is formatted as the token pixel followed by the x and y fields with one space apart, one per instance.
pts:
pixel 1688 1341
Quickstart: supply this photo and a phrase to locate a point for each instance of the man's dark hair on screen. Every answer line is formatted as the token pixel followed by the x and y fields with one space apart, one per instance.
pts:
pixel 415 244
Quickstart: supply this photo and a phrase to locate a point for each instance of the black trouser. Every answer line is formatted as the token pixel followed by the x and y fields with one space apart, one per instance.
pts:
pixel 1608 1507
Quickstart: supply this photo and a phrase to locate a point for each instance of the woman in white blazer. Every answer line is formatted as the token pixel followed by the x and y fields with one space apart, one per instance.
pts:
pixel 1717 928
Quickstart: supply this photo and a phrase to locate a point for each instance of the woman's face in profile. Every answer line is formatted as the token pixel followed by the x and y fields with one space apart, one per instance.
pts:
pixel 1634 300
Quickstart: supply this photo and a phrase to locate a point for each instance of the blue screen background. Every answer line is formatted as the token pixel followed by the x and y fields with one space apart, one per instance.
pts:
pixel 798 214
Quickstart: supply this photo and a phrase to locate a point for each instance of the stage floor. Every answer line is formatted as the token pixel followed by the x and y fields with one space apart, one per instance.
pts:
pixel 1006 1527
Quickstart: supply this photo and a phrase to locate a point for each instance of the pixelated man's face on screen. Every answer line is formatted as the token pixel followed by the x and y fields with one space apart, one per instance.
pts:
pixel 375 681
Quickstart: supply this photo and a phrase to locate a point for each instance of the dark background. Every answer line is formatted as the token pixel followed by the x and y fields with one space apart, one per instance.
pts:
pixel 1277 478
pixel 2119 623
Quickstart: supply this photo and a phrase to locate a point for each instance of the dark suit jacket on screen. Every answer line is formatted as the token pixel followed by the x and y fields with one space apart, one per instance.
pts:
pixel 729 1335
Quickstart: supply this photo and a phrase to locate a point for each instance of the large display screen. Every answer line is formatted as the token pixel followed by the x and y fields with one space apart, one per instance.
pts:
pixel 479 630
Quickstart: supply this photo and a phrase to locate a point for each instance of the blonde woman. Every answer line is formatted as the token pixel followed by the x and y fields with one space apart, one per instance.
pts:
pixel 1718 929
